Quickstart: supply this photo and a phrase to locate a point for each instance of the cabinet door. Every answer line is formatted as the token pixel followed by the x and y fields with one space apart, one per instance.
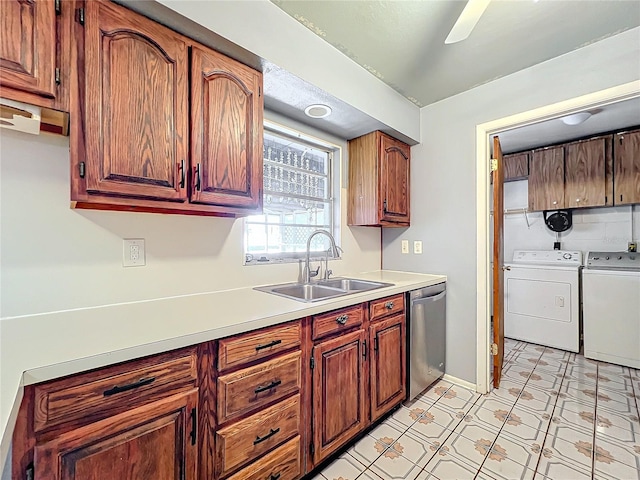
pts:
pixel 27 45
pixel 153 441
pixel 546 179
pixel 136 75
pixel 627 168
pixel 226 131
pixel 516 166
pixel 388 365
pixel 394 158
pixel 584 164
pixel 338 392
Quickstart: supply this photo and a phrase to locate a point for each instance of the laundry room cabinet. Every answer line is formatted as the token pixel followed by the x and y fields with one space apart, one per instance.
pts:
pixel 627 168
pixel 546 179
pixel 516 166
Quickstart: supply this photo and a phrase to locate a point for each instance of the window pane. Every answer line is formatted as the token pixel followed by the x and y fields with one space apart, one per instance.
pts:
pixel 297 199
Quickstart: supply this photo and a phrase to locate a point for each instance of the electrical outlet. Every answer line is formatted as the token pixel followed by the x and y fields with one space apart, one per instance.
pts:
pixel 417 247
pixel 405 246
pixel 133 252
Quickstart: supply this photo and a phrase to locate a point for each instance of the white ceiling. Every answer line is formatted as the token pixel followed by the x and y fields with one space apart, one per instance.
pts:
pixel 402 42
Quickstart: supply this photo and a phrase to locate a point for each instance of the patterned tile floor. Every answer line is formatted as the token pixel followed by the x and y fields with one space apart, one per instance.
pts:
pixel 552 407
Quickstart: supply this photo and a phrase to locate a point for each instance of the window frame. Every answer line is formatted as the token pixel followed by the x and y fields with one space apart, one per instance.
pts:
pixel 334 158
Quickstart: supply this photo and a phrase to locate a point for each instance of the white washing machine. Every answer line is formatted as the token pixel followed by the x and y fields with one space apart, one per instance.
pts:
pixel 611 307
pixel 542 298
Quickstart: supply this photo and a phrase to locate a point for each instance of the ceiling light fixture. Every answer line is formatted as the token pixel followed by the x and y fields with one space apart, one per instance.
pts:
pixel 317 111
pixel 576 118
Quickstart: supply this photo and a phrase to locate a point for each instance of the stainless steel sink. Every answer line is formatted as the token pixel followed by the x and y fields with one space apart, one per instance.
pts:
pixel 322 290
pixel 352 284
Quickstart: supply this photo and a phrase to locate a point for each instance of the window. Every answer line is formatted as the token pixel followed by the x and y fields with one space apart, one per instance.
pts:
pixel 298 199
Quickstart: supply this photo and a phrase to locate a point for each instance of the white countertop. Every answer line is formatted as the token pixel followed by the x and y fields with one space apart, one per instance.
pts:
pixel 36 348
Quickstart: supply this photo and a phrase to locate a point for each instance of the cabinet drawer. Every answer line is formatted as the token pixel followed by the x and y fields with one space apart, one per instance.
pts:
pixel 98 394
pixel 281 464
pixel 336 321
pixel 386 306
pixel 242 349
pixel 252 437
pixel 251 388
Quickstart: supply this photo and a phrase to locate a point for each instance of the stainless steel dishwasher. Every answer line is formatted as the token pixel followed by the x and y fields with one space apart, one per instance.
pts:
pixel 426 337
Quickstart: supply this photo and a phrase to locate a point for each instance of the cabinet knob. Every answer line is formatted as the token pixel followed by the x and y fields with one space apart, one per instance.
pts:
pixel 577 200
pixel 389 305
pixel 555 203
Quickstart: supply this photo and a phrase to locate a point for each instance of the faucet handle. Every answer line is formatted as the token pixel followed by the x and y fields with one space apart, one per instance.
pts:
pixel 314 273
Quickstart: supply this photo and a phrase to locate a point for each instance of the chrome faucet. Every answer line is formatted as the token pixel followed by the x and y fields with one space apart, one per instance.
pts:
pixel 334 252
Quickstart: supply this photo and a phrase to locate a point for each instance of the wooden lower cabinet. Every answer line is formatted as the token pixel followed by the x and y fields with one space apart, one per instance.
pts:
pixel 388 364
pixel 284 463
pixel 339 408
pixel 157 440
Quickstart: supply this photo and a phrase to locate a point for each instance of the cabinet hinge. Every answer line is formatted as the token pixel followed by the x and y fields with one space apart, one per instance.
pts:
pixel 81 169
pixel 57 76
pixel 194 426
pixel 58 7
pixel 384 206
pixel 313 363
pixel 259 91
pixel 494 349
pixel 605 199
pixel 29 472
pixel 80 16
pixel 494 164
pixel 312 449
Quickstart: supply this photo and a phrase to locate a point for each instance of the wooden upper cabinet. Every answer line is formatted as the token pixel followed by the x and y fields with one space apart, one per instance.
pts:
pixel 585 180
pixel 136 84
pixel 226 131
pixel 626 149
pixel 28 46
pixel 546 179
pixel 394 180
pixel 516 166
pixel 379 181
pixel 155 441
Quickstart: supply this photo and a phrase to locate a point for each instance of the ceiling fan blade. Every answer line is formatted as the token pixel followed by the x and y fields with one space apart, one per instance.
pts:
pixel 467 20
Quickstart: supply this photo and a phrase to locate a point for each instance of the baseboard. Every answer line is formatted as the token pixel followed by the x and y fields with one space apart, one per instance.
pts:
pixel 463 383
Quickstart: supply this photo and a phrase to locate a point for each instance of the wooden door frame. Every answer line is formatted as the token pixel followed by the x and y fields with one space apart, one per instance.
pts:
pixel 484 132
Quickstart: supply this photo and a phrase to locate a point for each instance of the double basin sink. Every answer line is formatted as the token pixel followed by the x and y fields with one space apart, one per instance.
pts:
pixel 322 289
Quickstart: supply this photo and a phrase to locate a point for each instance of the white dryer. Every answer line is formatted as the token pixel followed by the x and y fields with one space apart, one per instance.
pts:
pixel 542 298
pixel 611 306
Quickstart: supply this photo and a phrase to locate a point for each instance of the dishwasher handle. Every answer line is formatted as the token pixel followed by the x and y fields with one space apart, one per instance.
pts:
pixel 430 298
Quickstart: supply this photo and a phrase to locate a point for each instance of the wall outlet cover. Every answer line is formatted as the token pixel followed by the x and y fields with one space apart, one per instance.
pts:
pixel 417 247
pixel 133 254
pixel 405 246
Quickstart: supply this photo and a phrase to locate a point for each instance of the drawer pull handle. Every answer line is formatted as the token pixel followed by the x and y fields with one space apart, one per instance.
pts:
pixel 274 476
pixel 389 305
pixel 268 345
pixel 264 388
pixel 271 433
pixel 140 383
pixel 342 319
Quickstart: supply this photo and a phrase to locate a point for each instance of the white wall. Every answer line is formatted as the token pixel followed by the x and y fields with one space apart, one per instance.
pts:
pixel 55 258
pixel 598 229
pixel 443 203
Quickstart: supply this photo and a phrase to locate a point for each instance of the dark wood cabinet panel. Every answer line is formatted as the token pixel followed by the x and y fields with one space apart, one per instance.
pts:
pixel 136 75
pixel 379 181
pixel 585 182
pixel 338 392
pixel 152 441
pixel 226 131
pixel 546 179
pixel 388 365
pixel 516 166
pixel 284 463
pixel 627 168
pixel 28 46
pixel 394 180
